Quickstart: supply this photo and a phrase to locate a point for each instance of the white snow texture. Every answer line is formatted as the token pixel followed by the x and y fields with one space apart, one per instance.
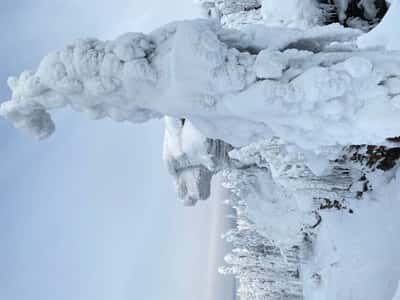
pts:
pixel 192 69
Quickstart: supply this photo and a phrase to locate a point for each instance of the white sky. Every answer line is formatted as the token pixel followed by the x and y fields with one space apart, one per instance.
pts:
pixel 91 214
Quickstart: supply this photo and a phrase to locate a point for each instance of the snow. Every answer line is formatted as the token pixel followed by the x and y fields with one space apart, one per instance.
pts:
pixel 352 253
pixel 188 69
pixel 342 7
pixel 192 159
pixel 264 196
pixel 322 105
pixel 294 13
pixel 356 256
pixel 385 35
pixel 185 152
pixel 317 38
pixel 270 64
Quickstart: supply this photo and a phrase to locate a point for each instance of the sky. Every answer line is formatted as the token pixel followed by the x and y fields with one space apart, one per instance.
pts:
pixel 91 213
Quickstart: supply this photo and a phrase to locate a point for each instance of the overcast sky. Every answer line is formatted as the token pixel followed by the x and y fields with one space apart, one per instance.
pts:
pixel 91 214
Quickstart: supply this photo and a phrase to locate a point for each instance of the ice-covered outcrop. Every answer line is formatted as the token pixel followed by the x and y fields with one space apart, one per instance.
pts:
pixel 361 14
pixel 181 69
pixel 310 87
pixel 192 159
pixel 194 70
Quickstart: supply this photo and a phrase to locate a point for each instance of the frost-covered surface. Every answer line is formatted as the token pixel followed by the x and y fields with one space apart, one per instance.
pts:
pixel 361 14
pixel 340 223
pixel 277 196
pixel 351 250
pixel 354 256
pixel 134 78
pixel 292 13
pixel 192 159
pixel 190 69
pixel 295 114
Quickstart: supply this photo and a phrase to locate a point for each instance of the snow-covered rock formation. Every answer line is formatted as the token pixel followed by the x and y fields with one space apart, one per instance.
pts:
pixel 299 114
pixel 198 70
pixel 192 159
